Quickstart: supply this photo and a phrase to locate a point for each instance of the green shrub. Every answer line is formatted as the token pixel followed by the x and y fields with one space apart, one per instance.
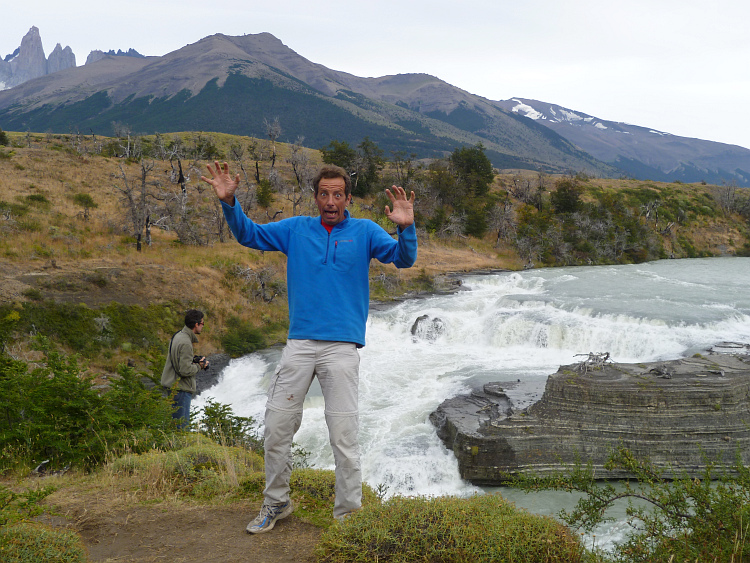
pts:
pixel 199 468
pixel 312 491
pixel 677 518
pixel 241 338
pixel 87 331
pixel 450 530
pixel 37 543
pixel 264 193
pixel 18 507
pixel 53 413
pixel 218 422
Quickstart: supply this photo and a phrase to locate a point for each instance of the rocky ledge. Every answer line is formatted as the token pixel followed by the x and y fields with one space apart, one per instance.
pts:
pixel 679 414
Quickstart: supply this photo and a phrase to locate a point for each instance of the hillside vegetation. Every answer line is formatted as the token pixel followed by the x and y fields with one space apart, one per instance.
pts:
pixel 105 242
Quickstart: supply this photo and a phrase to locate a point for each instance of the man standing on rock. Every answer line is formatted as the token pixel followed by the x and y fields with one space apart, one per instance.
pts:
pixel 180 369
pixel 328 261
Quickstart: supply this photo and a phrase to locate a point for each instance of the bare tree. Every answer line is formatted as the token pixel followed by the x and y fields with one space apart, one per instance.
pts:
pixel 522 189
pixel 728 197
pixel 273 132
pixel 259 283
pixel 502 219
pixel 136 199
pixel 405 170
pixel 454 226
pixel 303 175
pixel 240 154
pixel 123 132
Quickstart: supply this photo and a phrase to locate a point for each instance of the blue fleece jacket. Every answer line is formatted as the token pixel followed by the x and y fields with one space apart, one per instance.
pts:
pixel 327 274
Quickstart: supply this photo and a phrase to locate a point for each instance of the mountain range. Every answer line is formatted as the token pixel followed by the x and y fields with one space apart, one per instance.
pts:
pixel 235 84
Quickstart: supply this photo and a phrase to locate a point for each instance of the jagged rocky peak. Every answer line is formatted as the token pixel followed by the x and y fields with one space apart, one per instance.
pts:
pixel 28 61
pixel 98 55
pixel 60 59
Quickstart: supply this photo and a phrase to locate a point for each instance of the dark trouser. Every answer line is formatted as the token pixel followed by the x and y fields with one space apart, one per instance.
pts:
pixel 181 404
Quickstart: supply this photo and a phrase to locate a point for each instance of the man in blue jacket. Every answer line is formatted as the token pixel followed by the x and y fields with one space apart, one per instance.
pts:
pixel 328 261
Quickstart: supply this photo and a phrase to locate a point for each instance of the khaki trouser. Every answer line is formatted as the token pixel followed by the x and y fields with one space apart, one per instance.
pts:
pixel 336 365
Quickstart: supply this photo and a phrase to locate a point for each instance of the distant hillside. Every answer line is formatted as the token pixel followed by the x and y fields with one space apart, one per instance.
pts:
pixel 232 84
pixel 640 152
pixel 235 84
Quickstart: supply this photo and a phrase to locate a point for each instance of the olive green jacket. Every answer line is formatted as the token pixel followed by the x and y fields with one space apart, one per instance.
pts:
pixel 179 366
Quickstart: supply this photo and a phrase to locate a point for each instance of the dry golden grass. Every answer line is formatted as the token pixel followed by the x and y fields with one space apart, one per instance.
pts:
pixel 53 246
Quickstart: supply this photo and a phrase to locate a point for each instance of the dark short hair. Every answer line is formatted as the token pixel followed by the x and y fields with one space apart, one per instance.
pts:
pixel 332 171
pixel 193 317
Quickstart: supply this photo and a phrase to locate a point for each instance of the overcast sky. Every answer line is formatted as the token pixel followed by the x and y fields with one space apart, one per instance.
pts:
pixel 678 66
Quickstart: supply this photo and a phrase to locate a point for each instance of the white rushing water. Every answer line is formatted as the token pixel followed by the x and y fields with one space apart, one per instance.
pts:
pixel 516 328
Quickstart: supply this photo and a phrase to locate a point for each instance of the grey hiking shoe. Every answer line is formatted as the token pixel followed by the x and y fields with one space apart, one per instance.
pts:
pixel 269 514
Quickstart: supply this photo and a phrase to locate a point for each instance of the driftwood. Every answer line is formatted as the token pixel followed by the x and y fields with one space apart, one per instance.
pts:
pixel 593 361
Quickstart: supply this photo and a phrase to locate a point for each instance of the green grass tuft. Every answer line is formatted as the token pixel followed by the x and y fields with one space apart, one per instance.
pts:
pixel 36 543
pixel 449 530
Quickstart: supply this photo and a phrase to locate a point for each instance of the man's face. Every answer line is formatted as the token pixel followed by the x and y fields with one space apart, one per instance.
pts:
pixel 198 328
pixel 332 200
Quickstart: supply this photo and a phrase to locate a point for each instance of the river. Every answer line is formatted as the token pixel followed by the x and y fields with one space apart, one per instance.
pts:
pixel 510 327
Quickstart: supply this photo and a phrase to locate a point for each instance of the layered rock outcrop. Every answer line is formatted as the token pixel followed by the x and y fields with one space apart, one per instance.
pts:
pixel 678 414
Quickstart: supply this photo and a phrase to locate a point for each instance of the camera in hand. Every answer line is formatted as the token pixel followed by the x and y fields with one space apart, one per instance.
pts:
pixel 197 360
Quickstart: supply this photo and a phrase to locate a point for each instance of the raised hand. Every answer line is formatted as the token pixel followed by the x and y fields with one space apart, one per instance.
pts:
pixel 403 208
pixel 222 182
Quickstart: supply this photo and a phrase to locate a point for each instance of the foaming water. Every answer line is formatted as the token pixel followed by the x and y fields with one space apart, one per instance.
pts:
pixel 513 328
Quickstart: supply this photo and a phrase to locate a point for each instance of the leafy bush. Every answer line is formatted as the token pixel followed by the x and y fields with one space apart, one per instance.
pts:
pixel 37 543
pixel 450 530
pixel 686 519
pixel 53 413
pixel 17 507
pixel 38 200
pixel 3 138
pixel 241 338
pixel 219 423
pixel 87 331
pixel 264 193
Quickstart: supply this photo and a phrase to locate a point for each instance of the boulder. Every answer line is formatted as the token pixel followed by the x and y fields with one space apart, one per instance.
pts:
pixel 679 414
pixel 427 328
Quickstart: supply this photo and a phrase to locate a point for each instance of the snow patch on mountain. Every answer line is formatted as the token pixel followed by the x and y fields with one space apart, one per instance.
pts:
pixel 527 110
pixel 570 116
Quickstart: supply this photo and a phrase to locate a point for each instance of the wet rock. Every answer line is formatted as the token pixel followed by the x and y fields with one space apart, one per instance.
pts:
pixel 210 377
pixel 427 328
pixel 678 414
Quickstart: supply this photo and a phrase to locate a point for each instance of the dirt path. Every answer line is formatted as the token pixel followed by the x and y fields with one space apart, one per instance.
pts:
pixel 187 534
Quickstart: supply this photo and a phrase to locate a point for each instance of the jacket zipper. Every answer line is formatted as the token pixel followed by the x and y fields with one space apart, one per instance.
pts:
pixel 328 246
